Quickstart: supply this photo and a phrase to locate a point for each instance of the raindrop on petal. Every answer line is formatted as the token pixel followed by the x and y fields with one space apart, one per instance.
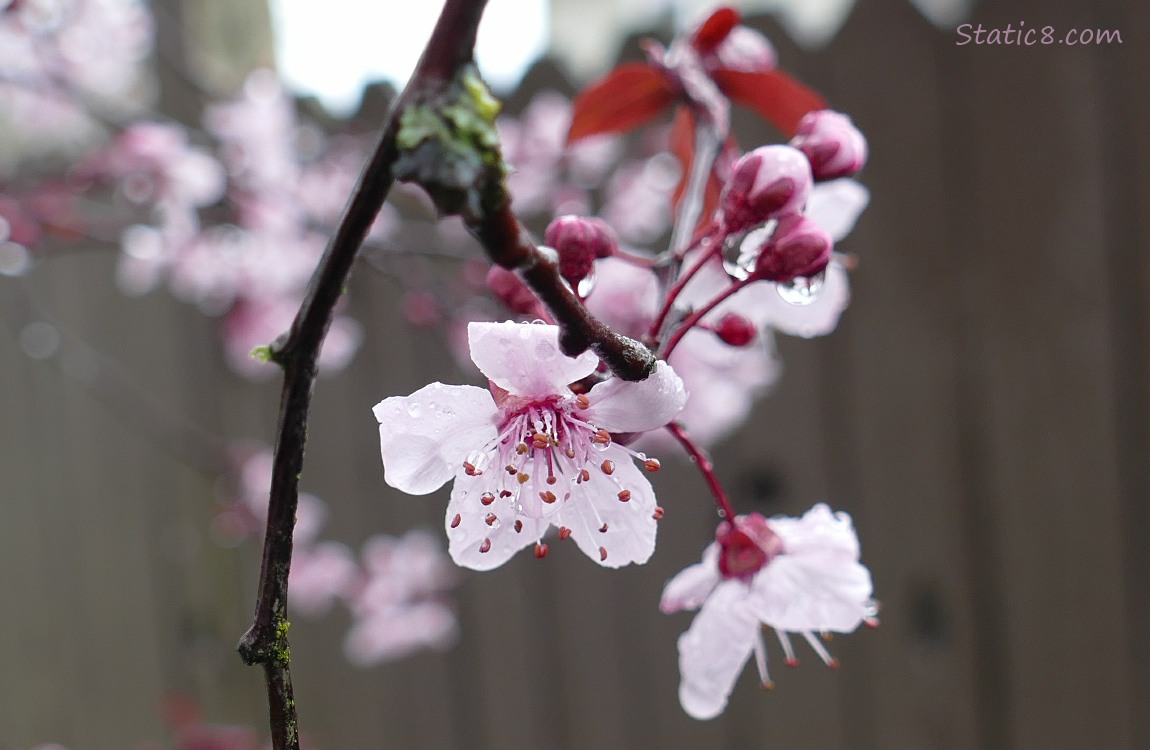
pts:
pixel 801 291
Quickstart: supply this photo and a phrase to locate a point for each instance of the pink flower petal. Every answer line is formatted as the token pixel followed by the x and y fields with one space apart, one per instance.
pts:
pixel 472 541
pixel 818 318
pixel 426 437
pixel 692 585
pixel 623 406
pixel 812 592
pixel 714 650
pixel 835 206
pixel 399 631
pixel 631 526
pixel 819 531
pixel 525 359
pixel 818 583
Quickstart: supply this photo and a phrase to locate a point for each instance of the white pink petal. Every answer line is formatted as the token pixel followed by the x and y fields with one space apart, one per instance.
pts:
pixel 425 437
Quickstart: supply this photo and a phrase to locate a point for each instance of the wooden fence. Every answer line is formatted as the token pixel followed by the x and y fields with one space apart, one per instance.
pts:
pixel 983 412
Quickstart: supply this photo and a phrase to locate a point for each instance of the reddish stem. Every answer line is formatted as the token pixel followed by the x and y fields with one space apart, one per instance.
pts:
pixel 703 461
pixel 694 318
pixel 680 283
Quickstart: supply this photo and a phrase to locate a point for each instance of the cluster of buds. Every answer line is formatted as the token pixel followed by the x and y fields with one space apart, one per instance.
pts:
pixel 773 183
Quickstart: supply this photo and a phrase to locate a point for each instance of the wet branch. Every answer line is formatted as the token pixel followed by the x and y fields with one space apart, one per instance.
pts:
pixel 265 643
pixel 508 244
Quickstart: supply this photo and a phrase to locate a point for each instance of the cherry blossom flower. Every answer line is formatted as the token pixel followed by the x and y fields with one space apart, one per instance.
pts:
pixel 795 575
pixel 399 606
pixel 531 453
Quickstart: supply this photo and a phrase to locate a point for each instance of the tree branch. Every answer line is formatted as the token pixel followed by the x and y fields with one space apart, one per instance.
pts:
pixel 265 643
pixel 508 244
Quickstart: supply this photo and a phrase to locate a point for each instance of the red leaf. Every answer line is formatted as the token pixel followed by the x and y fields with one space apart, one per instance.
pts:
pixel 682 145
pixel 715 29
pixel 629 96
pixel 775 96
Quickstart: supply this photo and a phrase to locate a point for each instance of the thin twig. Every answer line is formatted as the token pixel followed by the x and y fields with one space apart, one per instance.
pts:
pixel 265 642
pixel 507 243
pixel 703 462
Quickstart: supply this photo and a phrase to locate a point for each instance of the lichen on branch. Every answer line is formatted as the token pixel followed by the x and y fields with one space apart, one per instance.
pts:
pixel 448 144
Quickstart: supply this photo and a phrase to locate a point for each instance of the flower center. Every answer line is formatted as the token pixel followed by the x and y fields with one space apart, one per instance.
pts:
pixel 544 452
pixel 746 545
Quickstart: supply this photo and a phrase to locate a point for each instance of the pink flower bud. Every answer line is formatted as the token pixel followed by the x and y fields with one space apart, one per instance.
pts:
pixel 743 49
pixel 746 545
pixel 768 183
pixel 735 330
pixel 579 241
pixel 797 247
pixel 834 145
pixel 511 291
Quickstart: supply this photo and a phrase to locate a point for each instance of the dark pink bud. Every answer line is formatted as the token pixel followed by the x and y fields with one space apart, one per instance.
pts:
pixel 511 291
pixel 797 247
pixel 833 144
pixel 735 330
pixel 579 241
pixel 746 545
pixel 768 183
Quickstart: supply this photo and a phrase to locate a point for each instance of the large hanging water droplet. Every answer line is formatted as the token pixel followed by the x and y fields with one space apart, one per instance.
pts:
pixel 736 270
pixel 739 255
pixel 801 291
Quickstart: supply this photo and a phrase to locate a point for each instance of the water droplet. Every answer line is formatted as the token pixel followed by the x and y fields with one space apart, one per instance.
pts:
pixel 39 340
pixel 432 405
pixel 739 255
pixel 479 459
pixel 496 523
pixel 447 411
pixel 736 271
pixel 601 446
pixel 545 351
pixel 801 291
pixel 585 285
pixel 414 408
pixel 14 259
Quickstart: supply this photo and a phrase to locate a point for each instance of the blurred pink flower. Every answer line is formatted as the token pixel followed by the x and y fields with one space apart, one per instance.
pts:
pixel 399 606
pixel 258 322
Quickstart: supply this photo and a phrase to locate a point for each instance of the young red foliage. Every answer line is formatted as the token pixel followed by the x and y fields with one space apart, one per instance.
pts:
pixel 630 95
pixel 715 29
pixel 775 96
